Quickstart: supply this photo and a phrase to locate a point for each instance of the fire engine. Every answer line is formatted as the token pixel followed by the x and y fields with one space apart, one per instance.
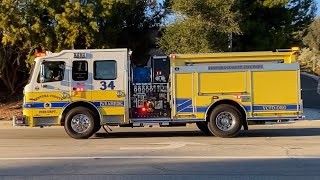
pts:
pixel 86 89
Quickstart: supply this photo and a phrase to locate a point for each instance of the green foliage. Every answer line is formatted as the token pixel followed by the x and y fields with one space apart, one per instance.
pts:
pixel 268 25
pixel 310 56
pixel 201 26
pixel 312 39
pixel 37 25
pixel 256 24
pixel 185 37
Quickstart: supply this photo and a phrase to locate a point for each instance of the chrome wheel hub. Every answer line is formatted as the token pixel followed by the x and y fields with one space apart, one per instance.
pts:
pixel 80 123
pixel 225 121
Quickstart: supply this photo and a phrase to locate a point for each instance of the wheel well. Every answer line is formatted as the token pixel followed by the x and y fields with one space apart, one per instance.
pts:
pixel 88 105
pixel 232 103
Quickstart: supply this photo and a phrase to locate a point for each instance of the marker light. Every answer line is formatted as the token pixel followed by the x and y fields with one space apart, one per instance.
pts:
pixel 173 56
pixel 295 49
pixel 144 109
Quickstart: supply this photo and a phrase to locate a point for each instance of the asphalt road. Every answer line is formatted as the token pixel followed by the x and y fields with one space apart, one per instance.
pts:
pixel 278 151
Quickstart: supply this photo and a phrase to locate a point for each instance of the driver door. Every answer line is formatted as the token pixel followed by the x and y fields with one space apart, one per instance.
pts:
pixel 51 91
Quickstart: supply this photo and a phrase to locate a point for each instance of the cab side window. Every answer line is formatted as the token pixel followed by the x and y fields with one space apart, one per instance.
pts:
pixel 80 70
pixel 53 71
pixel 105 70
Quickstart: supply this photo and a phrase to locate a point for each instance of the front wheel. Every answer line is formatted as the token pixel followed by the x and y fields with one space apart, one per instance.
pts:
pixel 225 121
pixel 80 123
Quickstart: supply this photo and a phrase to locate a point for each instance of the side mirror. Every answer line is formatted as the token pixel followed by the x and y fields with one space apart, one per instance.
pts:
pixel 42 73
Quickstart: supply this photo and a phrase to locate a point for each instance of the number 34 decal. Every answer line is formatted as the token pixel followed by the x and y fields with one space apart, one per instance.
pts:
pixel 105 85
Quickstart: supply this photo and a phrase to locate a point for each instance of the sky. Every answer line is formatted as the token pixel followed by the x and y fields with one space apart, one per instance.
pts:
pixel 318 7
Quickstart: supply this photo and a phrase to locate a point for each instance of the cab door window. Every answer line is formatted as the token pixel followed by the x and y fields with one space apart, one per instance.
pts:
pixel 105 70
pixel 80 70
pixel 53 71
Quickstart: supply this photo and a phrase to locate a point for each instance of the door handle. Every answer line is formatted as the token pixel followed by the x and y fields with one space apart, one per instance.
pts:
pixel 63 95
pixel 120 94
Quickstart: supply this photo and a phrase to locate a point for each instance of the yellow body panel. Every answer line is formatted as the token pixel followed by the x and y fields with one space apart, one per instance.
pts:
pixel 231 82
pixel 275 87
pixel 184 85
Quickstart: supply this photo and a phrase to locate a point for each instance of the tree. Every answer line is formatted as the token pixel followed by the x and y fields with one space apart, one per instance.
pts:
pixel 310 55
pixel 312 38
pixel 136 21
pixel 201 26
pixel 269 24
pixel 21 32
pixel 37 25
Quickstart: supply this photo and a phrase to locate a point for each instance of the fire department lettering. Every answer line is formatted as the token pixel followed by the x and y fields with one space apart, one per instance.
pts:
pixel 112 103
pixel 270 108
pixel 47 111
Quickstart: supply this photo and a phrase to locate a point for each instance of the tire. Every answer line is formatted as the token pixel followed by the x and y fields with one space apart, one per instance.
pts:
pixel 225 121
pixel 203 126
pixel 80 114
pixel 97 125
pixel 97 128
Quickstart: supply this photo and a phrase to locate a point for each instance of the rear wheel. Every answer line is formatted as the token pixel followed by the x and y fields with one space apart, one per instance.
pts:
pixel 80 123
pixel 225 121
pixel 203 126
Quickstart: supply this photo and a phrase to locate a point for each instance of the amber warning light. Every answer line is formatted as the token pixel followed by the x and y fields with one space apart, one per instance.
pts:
pixel 40 54
pixel 173 56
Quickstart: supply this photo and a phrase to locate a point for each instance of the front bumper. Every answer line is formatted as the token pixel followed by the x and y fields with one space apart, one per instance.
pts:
pixel 19 121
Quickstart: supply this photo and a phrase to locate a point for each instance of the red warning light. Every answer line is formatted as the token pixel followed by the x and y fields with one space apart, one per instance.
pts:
pixel 78 89
pixel 144 109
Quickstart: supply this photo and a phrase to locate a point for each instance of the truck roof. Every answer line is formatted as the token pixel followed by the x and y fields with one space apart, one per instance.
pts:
pixel 280 56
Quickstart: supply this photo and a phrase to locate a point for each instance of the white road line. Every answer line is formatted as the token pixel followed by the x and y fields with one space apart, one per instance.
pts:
pixel 170 145
pixel 161 157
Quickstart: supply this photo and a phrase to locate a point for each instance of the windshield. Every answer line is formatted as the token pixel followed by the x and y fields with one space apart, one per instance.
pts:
pixel 31 72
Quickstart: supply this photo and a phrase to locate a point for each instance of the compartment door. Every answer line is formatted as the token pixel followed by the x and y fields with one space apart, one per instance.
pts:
pixel 183 95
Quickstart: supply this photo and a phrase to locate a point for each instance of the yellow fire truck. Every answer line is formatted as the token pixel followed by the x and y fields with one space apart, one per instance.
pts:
pixel 84 90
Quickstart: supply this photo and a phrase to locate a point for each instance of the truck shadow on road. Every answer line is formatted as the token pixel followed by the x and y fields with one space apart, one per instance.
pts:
pixel 292 132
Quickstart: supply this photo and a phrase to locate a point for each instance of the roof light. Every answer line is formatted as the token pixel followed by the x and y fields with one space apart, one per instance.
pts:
pixel 40 54
pixel 173 56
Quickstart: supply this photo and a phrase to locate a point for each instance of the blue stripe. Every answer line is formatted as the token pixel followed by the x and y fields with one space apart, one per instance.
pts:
pixel 202 109
pixel 180 101
pixel 41 105
pixel 182 104
pixel 97 104
pixel 164 120
pixel 63 104
pixel 247 108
